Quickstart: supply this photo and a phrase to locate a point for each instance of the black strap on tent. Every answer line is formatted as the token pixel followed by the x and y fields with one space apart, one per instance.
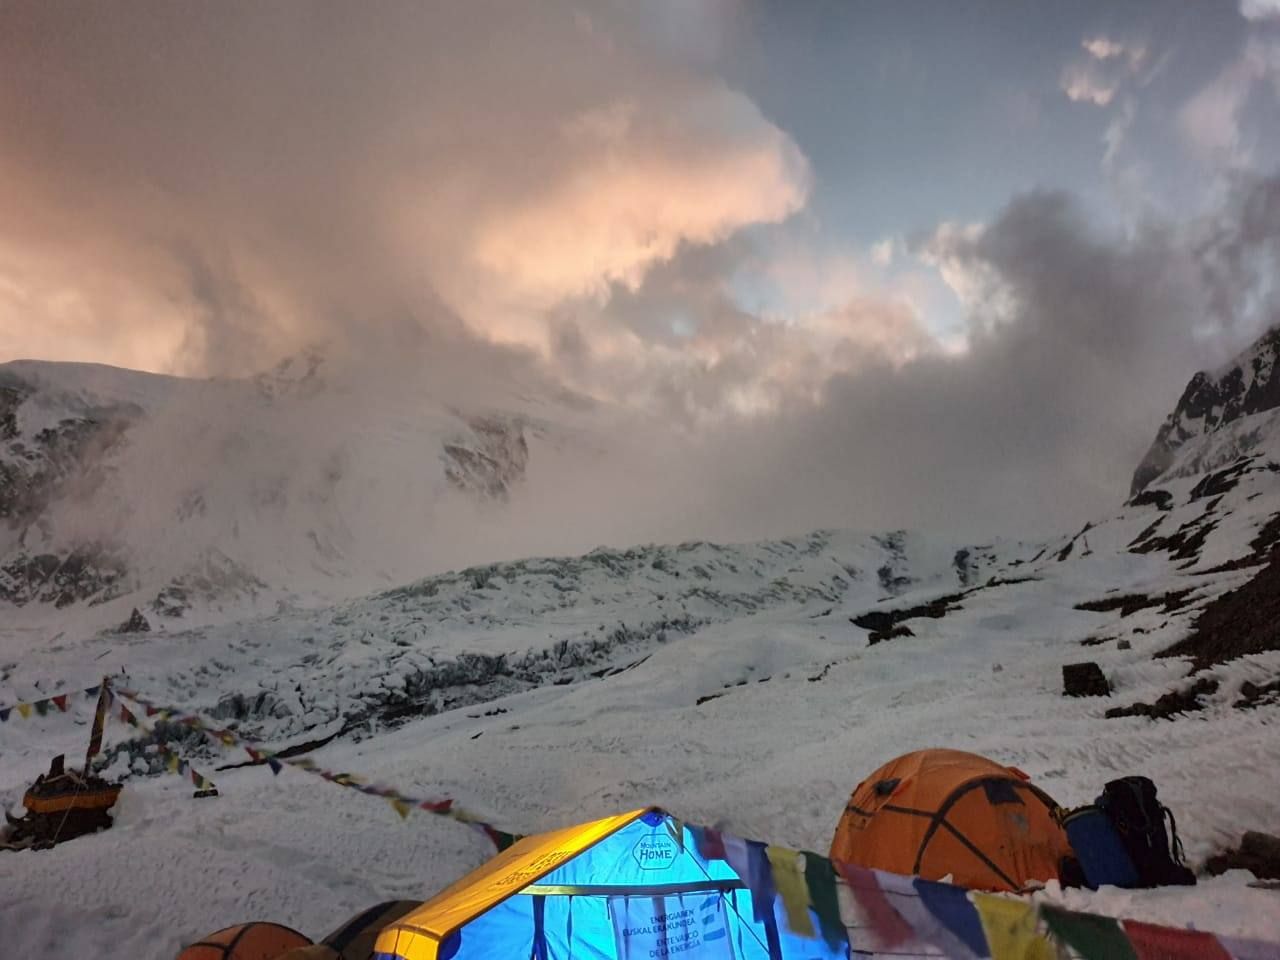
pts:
pixel 939 819
pixel 892 808
pixel 968 845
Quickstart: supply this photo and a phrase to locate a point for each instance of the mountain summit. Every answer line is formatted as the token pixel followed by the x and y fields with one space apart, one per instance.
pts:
pixel 1222 415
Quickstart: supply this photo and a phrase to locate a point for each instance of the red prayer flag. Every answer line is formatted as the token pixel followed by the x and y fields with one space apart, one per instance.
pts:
pixel 886 923
pixel 1151 942
pixel 60 702
pixel 710 843
pixel 99 721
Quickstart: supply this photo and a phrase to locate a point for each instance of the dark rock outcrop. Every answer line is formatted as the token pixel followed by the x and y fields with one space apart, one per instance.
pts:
pixel 490 461
pixel 1171 704
pixel 1129 603
pixel 1160 499
pixel 42 465
pixel 1238 623
pixel 93 573
pixel 1249 385
pixel 136 623
pixel 902 630
pixel 1084 680
pixel 883 622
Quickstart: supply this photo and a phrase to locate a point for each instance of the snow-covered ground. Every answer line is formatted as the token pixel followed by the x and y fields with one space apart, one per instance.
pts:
pixel 526 715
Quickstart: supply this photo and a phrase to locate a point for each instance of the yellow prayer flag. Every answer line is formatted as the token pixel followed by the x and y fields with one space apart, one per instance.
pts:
pixel 400 806
pixel 25 710
pixel 1010 926
pixel 788 880
pixel 171 761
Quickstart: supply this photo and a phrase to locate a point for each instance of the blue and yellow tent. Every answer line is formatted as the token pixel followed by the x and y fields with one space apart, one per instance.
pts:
pixel 630 887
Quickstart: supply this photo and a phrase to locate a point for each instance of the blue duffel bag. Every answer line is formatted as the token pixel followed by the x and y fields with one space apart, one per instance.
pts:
pixel 1099 849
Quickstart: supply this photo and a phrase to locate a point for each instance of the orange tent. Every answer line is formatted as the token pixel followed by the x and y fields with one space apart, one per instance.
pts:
pixel 245 941
pixel 939 812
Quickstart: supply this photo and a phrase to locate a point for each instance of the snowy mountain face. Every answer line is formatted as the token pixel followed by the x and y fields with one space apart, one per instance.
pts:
pixel 189 498
pixel 1221 416
pixel 749 686
pixel 54 449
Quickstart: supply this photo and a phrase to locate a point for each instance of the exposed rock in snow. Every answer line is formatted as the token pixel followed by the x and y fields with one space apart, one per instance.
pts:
pixel 136 623
pixel 490 460
pixel 1084 680
pixel 91 572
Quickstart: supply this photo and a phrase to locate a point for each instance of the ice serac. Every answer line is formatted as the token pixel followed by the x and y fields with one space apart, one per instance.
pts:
pixel 1222 415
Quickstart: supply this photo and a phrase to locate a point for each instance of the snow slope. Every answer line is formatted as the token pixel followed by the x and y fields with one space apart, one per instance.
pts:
pixel 755 704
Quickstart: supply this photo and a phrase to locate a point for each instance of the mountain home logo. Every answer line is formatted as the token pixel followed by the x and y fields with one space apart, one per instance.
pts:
pixel 655 852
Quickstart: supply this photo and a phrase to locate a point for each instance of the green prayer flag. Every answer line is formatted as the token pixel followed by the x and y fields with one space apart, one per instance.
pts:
pixel 820 878
pixel 1092 936
pixel 503 840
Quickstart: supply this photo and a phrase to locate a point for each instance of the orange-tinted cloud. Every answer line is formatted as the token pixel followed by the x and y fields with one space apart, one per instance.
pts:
pixel 203 190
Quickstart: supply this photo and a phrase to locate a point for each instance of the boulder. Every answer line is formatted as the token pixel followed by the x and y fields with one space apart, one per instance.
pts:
pixel 1084 680
pixel 1259 853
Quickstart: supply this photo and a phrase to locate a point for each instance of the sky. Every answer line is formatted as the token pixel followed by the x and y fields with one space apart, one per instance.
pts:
pixel 855 263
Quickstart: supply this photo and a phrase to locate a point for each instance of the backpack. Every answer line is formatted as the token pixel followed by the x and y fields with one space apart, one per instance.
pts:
pixel 1131 806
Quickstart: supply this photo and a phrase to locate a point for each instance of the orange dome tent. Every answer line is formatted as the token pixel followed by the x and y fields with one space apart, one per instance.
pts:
pixel 937 812
pixel 246 941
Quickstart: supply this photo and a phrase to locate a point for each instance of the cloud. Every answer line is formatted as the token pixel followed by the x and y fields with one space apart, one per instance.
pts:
pixel 1103 48
pixel 1238 254
pixel 645 185
pixel 882 252
pixel 1260 9
pixel 1038 424
pixel 1079 341
pixel 976 283
pixel 683 345
pixel 1084 83
pixel 1211 120
pixel 269 174
pixel 1099 76
pixel 571 199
